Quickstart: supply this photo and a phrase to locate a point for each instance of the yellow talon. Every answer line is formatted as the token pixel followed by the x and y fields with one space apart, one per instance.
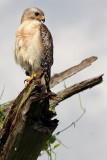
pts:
pixel 35 75
pixel 30 79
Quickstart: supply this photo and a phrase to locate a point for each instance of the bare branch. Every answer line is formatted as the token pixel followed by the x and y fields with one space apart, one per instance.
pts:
pixel 57 78
pixel 68 92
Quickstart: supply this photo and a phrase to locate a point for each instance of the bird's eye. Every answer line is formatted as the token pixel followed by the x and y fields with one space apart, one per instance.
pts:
pixel 36 13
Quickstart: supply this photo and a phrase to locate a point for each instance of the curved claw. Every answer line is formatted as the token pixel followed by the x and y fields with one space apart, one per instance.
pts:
pixel 24 80
pixel 29 79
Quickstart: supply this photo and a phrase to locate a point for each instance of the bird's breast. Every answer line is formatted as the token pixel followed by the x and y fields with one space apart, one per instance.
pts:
pixel 28 47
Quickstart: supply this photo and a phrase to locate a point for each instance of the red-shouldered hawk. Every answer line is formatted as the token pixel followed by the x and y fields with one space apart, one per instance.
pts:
pixel 34 44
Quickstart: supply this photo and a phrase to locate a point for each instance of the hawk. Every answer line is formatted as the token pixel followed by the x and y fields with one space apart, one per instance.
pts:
pixel 34 44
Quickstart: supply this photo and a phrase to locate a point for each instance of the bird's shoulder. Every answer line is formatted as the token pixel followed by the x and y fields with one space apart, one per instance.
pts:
pixel 45 31
pixel 46 35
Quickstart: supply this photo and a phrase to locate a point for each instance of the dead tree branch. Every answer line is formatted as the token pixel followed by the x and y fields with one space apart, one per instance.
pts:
pixel 68 92
pixel 57 78
pixel 27 124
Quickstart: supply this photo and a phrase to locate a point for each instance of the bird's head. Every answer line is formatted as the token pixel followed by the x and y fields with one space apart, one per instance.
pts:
pixel 33 14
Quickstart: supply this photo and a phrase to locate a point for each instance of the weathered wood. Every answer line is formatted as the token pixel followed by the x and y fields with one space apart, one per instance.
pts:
pixel 76 88
pixel 57 78
pixel 28 125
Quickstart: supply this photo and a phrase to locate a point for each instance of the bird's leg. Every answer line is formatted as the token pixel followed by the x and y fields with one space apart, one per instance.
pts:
pixel 30 79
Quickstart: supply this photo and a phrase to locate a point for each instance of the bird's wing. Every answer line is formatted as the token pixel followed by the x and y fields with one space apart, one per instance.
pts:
pixel 47 60
pixel 47 42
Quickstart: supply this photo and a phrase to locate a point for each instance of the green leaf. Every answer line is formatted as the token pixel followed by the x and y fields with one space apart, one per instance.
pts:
pixel 52 139
pixel 48 152
pixel 57 145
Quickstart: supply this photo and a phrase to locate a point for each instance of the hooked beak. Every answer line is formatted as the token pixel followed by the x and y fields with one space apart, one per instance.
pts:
pixel 43 18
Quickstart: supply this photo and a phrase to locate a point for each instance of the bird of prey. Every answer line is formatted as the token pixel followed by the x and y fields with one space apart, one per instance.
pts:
pixel 34 45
